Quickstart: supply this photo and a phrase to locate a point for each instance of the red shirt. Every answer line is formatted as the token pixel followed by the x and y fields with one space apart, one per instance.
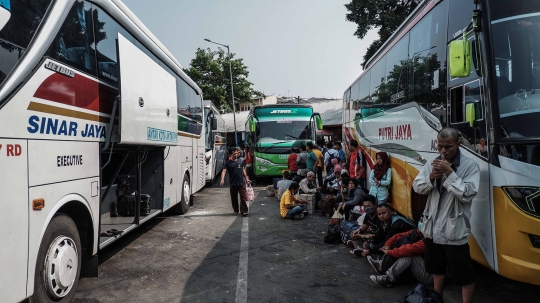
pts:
pixel 291 162
pixel 249 158
pixel 355 166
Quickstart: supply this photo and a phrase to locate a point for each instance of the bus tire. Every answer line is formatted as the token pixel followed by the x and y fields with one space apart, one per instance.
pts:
pixel 183 207
pixel 58 265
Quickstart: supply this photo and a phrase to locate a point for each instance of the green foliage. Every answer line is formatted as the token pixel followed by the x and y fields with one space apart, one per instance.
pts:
pixel 386 15
pixel 210 70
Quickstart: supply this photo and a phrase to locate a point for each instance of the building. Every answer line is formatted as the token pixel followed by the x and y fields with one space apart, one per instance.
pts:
pixel 246 106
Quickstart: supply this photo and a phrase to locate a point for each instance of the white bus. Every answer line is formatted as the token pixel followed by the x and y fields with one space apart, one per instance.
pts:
pixel 100 130
pixel 215 143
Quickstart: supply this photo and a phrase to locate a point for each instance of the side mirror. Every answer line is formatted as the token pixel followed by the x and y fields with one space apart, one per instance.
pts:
pixel 5 14
pixel 470 113
pixel 460 58
pixel 319 122
pixel 358 116
pixel 214 123
pixel 252 125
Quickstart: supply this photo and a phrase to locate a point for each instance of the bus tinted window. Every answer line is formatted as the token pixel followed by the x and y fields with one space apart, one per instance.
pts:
pixel 107 29
pixel 397 72
pixel 376 87
pixel 74 44
pixel 15 36
pixel 427 49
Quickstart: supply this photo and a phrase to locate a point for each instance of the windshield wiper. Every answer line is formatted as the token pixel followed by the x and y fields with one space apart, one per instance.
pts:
pixel 273 144
pixel 293 137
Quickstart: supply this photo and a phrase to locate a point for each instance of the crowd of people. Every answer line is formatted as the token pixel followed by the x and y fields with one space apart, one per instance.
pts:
pixel 370 227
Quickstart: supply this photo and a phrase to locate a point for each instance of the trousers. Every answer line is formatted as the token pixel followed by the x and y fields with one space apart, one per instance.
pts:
pixel 418 269
pixel 235 190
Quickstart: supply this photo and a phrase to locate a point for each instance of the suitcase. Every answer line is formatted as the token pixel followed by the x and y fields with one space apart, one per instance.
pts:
pixel 126 205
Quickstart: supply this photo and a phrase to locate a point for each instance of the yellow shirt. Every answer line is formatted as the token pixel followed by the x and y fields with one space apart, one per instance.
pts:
pixel 320 156
pixel 287 198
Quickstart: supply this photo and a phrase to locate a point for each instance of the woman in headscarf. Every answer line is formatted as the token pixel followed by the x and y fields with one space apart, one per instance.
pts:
pixel 380 178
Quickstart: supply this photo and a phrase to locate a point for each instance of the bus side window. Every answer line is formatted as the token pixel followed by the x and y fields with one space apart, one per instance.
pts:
pixel 74 44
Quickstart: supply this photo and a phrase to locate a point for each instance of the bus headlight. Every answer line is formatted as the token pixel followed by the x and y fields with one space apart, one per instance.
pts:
pixel 263 161
pixel 527 198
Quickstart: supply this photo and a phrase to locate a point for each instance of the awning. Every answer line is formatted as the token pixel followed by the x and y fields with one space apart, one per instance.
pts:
pixel 325 132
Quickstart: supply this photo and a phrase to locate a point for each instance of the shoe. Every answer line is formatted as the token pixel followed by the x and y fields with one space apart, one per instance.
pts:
pixel 374 263
pixel 358 252
pixel 299 217
pixel 381 280
pixel 235 213
pixel 245 214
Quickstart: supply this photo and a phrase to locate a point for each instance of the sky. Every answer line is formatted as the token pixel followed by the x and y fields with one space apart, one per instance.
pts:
pixel 292 48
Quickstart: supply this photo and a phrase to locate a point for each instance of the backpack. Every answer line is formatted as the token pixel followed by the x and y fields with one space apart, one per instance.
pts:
pixel 330 166
pixel 332 234
pixel 422 294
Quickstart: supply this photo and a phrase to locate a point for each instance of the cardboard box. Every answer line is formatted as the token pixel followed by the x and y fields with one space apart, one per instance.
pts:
pixel 310 198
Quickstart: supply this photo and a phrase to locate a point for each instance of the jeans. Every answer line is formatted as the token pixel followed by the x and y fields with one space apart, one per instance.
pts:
pixel 297 210
pixel 418 269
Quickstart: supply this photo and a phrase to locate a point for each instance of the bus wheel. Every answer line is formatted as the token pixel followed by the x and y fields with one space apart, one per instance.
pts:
pixel 183 207
pixel 58 265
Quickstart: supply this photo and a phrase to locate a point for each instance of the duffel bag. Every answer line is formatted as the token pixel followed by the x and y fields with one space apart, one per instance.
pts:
pixel 346 229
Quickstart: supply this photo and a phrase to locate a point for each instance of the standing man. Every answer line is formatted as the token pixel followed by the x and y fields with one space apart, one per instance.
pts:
pixel 355 165
pixel 451 182
pixel 291 162
pixel 341 152
pixel 331 153
pixel 237 180
pixel 315 161
pixel 301 162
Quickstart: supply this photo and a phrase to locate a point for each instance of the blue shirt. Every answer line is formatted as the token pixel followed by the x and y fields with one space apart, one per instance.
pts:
pixel 341 155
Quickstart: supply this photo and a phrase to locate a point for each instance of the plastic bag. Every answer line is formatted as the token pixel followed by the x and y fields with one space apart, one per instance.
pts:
pixel 250 195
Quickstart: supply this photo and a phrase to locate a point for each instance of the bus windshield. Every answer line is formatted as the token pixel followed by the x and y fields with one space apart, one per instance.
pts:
pixel 284 130
pixel 25 17
pixel 516 48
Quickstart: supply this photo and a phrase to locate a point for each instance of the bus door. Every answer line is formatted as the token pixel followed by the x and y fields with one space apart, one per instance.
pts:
pixel 14 221
pixel 463 93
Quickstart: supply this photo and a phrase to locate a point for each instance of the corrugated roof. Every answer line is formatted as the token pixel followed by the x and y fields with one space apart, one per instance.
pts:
pixel 330 111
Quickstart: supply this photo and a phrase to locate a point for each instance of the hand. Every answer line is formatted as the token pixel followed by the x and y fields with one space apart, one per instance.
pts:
pixel 442 166
pixel 365 253
pixel 378 183
pixel 318 188
pixel 221 182
pixel 384 250
pixel 248 181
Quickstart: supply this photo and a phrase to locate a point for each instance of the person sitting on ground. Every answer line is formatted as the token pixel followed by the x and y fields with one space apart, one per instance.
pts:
pixel 308 186
pixel 390 224
pixel 331 179
pixel 355 195
pixel 284 183
pixel 289 206
pixel 408 255
pixel 370 226
pixel 380 178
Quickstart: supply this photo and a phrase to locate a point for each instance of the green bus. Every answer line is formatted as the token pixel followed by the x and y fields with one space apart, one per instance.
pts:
pixel 274 129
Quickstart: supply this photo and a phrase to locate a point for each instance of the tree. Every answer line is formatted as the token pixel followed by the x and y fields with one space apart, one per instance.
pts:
pixel 210 70
pixel 386 15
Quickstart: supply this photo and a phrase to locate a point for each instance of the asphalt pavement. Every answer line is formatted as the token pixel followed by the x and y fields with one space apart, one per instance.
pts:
pixel 211 255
